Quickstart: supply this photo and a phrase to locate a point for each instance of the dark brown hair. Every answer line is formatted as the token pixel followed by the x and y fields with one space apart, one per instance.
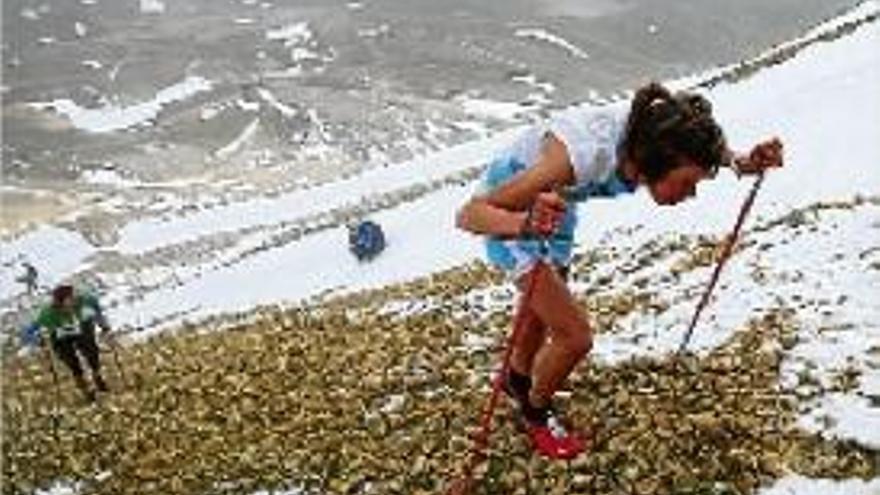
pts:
pixel 60 293
pixel 663 126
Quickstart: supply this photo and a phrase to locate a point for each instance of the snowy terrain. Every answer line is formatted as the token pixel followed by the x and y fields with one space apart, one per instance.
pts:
pixel 812 243
pixel 115 111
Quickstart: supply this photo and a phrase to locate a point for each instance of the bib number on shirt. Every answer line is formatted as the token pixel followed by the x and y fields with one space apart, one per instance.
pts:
pixel 68 330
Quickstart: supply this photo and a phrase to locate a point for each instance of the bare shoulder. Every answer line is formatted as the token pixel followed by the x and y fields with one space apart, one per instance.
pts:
pixel 554 162
pixel 550 171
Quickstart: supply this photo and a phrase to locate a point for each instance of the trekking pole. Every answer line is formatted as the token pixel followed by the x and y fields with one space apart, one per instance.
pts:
pixel 57 396
pixel 119 369
pixel 481 440
pixel 725 254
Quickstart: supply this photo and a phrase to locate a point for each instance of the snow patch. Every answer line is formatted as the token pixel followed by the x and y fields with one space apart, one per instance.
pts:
pixel 533 81
pixel 544 35
pixel 501 110
pixel 114 118
pixel 106 177
pixel 374 32
pixel 239 142
pixel 56 253
pixel 299 32
pixel 800 485
pixel 270 98
pixel 62 488
pixel 152 6
pixel 30 14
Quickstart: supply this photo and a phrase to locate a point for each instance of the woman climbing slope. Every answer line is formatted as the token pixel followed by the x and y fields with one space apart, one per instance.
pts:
pixel 664 142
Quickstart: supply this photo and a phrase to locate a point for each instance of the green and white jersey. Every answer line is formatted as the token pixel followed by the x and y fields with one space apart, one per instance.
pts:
pixel 61 323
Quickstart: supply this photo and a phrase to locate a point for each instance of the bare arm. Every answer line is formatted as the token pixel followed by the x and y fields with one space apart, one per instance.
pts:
pixel 502 212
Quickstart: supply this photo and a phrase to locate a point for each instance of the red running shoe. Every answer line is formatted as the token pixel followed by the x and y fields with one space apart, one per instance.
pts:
pixel 548 435
pixel 550 438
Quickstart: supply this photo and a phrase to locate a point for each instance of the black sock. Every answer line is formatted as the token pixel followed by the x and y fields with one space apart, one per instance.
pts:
pixel 535 415
pixel 521 384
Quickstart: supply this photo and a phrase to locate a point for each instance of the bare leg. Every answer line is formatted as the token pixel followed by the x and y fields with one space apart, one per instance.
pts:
pixel 534 332
pixel 570 336
pixel 528 342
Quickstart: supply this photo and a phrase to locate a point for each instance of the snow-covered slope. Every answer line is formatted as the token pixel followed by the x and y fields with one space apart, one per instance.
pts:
pixel 812 245
pixel 187 266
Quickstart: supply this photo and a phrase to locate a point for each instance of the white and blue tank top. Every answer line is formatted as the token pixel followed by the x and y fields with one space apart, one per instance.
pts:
pixel 591 136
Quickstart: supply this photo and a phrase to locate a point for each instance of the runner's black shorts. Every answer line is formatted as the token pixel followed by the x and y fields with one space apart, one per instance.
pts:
pixel 66 348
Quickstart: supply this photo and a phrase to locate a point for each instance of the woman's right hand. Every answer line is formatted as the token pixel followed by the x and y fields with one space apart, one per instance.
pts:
pixel 545 215
pixel 765 155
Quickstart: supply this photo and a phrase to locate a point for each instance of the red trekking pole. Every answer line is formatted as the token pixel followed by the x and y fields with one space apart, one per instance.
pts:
pixel 464 483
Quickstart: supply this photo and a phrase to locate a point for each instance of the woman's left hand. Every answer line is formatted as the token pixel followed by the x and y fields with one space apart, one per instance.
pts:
pixel 763 156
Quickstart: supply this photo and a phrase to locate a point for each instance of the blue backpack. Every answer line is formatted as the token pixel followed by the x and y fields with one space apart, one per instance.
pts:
pixel 30 335
pixel 366 240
